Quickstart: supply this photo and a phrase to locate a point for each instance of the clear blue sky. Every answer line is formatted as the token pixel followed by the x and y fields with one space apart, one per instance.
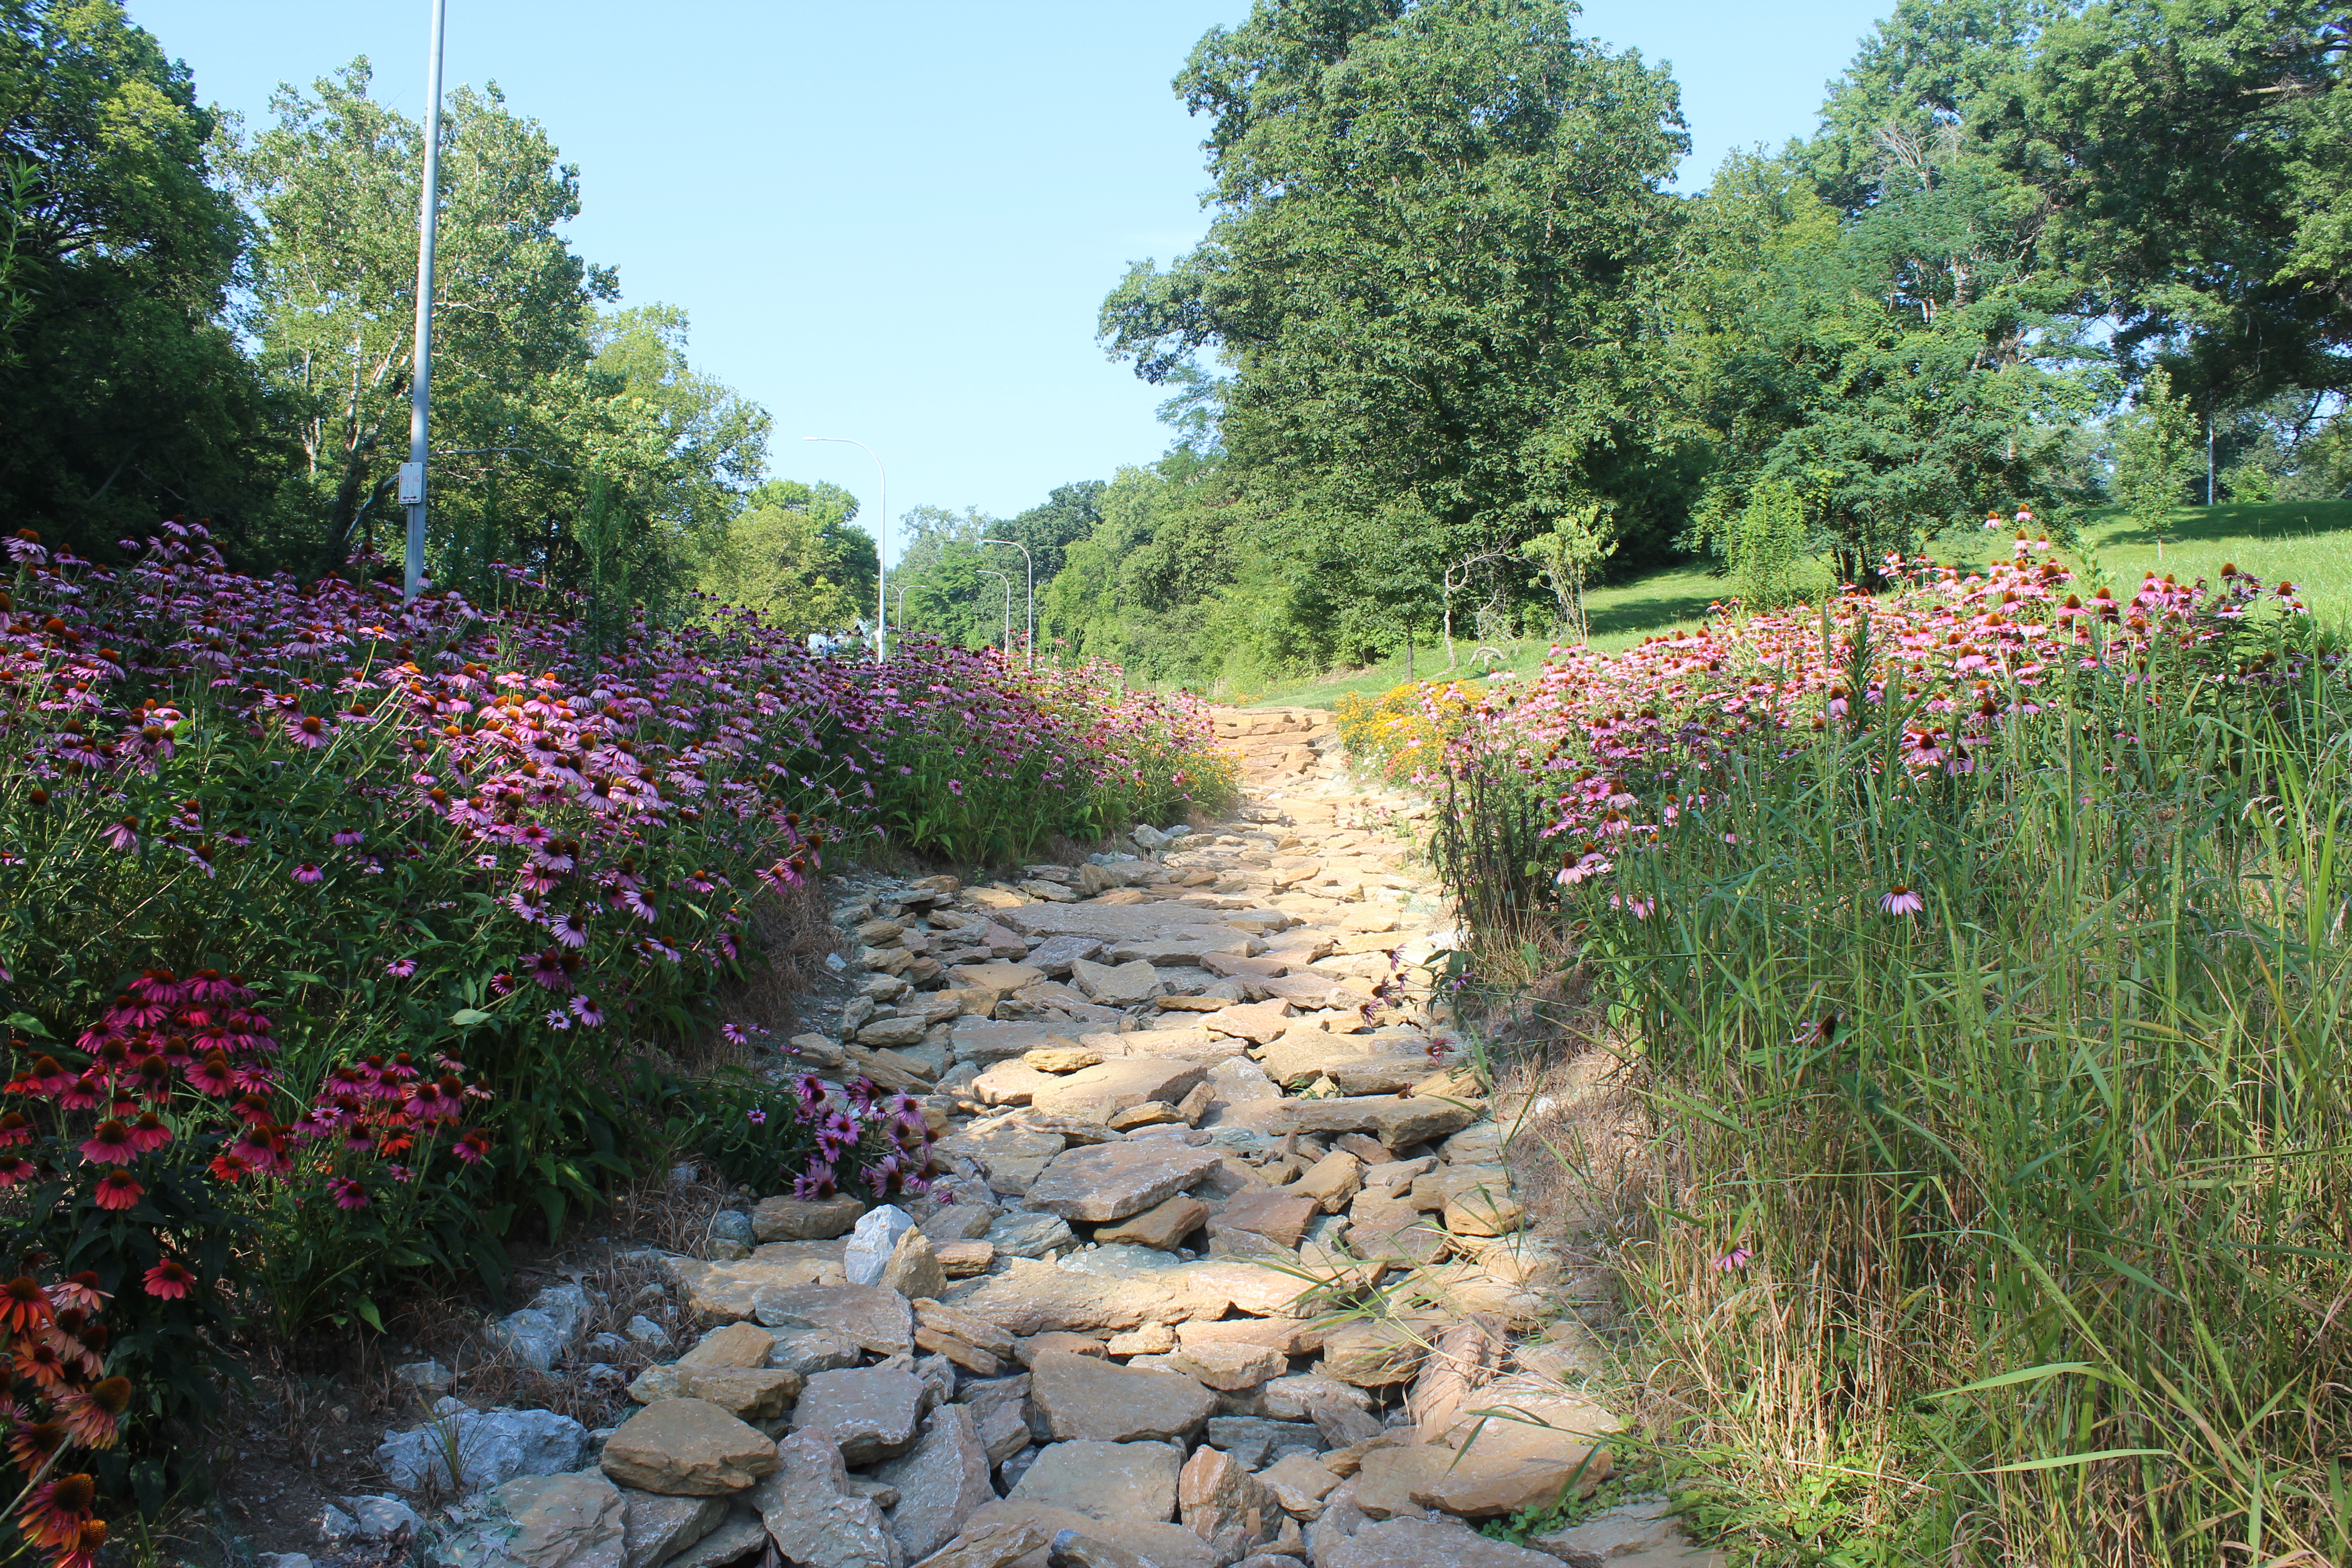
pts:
pixel 896 219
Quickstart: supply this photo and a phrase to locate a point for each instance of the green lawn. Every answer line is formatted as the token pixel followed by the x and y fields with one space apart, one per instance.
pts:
pixel 2308 542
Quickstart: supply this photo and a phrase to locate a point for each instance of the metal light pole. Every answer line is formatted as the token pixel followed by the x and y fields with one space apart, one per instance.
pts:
pixel 902 608
pixel 1008 607
pixel 1025 560
pixel 881 544
pixel 420 386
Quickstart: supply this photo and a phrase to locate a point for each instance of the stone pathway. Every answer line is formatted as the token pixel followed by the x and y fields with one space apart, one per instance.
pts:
pixel 1226 1266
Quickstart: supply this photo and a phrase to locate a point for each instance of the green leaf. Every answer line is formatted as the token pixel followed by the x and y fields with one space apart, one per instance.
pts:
pixel 29 1023
pixel 2058 1460
pixel 365 1307
pixel 467 1017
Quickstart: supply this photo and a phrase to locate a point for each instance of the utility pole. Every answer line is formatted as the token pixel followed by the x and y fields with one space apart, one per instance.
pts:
pixel 420 385
pixel 881 544
pixel 1032 565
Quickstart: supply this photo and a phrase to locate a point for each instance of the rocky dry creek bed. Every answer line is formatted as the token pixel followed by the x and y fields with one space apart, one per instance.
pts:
pixel 1228 1268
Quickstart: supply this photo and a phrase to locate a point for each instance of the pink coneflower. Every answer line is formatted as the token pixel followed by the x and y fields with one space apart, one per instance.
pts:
pixel 756 1117
pixel 109 1143
pixel 400 968
pixel 638 903
pixel 571 930
pixel 557 1018
pixel 212 1076
pixel 116 1190
pixel 307 730
pixel 587 1012
pixel 346 838
pixel 1737 1258
pixel 123 836
pixel 307 873
pixel 1901 900
pixel 347 1193
pixel 149 1133
pixel 473 1146
pixel 87 1092
pixel 547 969
pixel 523 907
pixel 170 1280
pixel 486 862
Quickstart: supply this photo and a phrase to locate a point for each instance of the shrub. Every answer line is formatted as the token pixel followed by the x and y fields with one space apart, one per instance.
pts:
pixel 527 838
pixel 1983 947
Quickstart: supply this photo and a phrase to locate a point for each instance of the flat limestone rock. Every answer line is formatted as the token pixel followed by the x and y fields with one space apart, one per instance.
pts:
pixel 792 1220
pixel 1104 1481
pixel 871 1412
pixel 734 1541
pixel 656 1529
pixel 812 1517
pixel 938 1483
pixel 1258 1022
pixel 1112 1181
pixel 1393 1121
pixel 730 1293
pixel 1424 1543
pixel 748 1394
pixel 1229 1367
pixel 878 1320
pixel 1116 985
pixel 1280 1216
pixel 980 1040
pixel 1165 1545
pixel 687 1448
pixel 1028 1298
pixel 1010 1156
pixel 1081 1398
pixel 1054 956
pixel 998 1544
pixel 1163 1226
pixel 998 976
pixel 1217 1493
pixel 1117 923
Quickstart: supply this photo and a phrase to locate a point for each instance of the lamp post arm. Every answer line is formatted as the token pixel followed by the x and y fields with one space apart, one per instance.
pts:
pixel 1030 562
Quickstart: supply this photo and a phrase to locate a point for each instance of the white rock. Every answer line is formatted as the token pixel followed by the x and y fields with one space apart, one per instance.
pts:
pixel 873 1241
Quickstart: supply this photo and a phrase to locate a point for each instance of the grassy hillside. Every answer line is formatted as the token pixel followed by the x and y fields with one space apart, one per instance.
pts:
pixel 2308 542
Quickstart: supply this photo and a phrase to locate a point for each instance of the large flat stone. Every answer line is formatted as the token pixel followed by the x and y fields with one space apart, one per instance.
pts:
pixel 1425 1543
pixel 1217 1493
pixel 811 1516
pixel 1115 924
pixel 1081 1398
pixel 687 1448
pixel 1104 1481
pixel 1034 1298
pixel 979 1040
pixel 1280 1216
pixel 1393 1121
pixel 1055 955
pixel 729 1292
pixel 877 1319
pixel 1116 985
pixel 1164 1545
pixel 792 1220
pixel 656 1527
pixel 1112 1181
pixel 939 1483
pixel 872 1411
pixel 1010 1156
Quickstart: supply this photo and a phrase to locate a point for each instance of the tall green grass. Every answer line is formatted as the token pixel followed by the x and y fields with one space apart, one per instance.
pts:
pixel 2046 1191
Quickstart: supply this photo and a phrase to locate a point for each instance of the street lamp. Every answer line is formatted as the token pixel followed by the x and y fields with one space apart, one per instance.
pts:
pixel 902 608
pixel 1008 607
pixel 881 543
pixel 420 384
pixel 1025 560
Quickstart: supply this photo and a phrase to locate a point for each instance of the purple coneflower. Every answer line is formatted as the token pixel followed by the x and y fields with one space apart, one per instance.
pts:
pixel 1737 1258
pixel 1901 900
pixel 307 873
pixel 400 968
pixel 589 1015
